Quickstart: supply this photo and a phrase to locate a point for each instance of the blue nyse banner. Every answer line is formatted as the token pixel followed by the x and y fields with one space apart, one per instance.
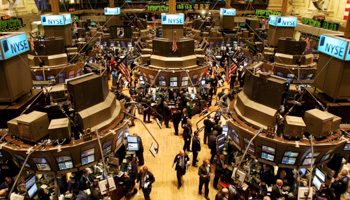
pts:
pixel 169 19
pixel 52 20
pixel 335 47
pixel 14 45
pixel 227 12
pixel 283 21
pixel 67 18
pixel 112 11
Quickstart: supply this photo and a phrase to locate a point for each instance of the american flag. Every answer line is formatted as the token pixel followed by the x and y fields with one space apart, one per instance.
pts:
pixel 124 69
pixel 230 70
pixel 32 43
pixel 174 43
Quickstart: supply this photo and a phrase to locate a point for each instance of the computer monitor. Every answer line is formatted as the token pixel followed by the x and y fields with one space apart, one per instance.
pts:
pixel 288 161
pixel 98 43
pixel 307 161
pixel 173 78
pixel 173 84
pixel 32 191
pixel 1 154
pixel 162 83
pixel 132 139
pixel 320 175
pixel 30 182
pixel 267 156
pixel 221 138
pixel 104 43
pixel 88 156
pixel 317 183
pixel 133 146
pixel 325 157
pixel 347 147
pixel 39 78
pixel 193 96
pixel 43 167
pixel 291 154
pixel 268 149
pixel 221 146
pixel 280 74
pixel 121 134
pixel 184 83
pixel 112 44
pixel 303 171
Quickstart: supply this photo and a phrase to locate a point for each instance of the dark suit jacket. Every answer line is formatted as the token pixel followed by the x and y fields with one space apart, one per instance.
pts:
pixel 85 183
pixel 219 196
pixel 203 171
pixel 149 178
pixel 177 116
pixel 233 193
pixel 342 184
pixel 212 142
pixel 139 142
pixel 276 193
pixel 218 128
pixel 133 171
pixel 187 134
pixel 219 167
pixel 208 125
pixel 196 144
pixel 177 161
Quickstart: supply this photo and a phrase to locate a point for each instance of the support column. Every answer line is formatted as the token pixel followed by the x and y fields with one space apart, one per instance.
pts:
pixel 54 7
pixel 111 3
pixel 284 8
pixel 228 4
pixel 347 29
pixel 172 6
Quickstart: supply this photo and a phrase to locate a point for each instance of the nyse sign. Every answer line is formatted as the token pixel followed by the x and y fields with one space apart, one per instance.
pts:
pixel 112 11
pixel 56 20
pixel 283 21
pixel 14 45
pixel 227 12
pixel 168 19
pixel 335 47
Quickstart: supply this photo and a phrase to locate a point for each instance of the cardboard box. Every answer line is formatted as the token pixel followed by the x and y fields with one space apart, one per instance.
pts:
pixel 294 126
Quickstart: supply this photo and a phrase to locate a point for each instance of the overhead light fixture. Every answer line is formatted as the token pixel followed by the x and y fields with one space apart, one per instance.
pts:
pixel 203 12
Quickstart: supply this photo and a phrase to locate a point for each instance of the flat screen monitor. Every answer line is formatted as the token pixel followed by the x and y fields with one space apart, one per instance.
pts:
pixel 221 146
pixel 98 43
pixel 303 171
pixel 133 146
pixel 280 74
pixel 39 78
pixel 121 133
pixel 325 157
pixel 193 96
pixel 291 154
pixel 221 138
pixel 315 155
pixel 65 165
pixel 51 78
pixel 112 44
pixel 203 82
pixel 30 182
pixel 288 161
pixel 1 154
pixel 347 147
pixel 132 139
pixel 309 77
pixel 32 191
pixel 173 78
pixel 43 167
pixel 88 156
pixel 320 175
pixel 184 83
pixel 268 149
pixel 173 84
pixel 162 83
pixel 307 161
pixel 104 43
pixel 317 183
pixel 267 156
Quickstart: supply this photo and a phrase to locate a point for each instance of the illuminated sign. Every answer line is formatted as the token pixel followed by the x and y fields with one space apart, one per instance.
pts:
pixel 112 11
pixel 283 21
pixel 168 19
pixel 56 20
pixel 227 12
pixel 11 24
pixel 335 47
pixel 14 45
pixel 320 24
pixel 157 7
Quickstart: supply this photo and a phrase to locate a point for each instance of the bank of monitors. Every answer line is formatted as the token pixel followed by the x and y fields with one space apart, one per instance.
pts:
pixel 39 78
pixel 173 81
pixel 42 164
pixel 119 138
pixel 107 148
pixel 268 153
pixel 251 148
pixel 88 156
pixel 64 162
pixel 289 157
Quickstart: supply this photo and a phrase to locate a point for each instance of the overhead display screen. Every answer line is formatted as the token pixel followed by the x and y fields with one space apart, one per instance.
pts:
pixel 227 12
pixel 334 47
pixel 56 20
pixel 112 11
pixel 169 19
pixel 12 46
pixel 283 21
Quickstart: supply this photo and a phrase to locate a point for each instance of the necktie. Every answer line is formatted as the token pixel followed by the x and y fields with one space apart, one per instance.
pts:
pixel 182 161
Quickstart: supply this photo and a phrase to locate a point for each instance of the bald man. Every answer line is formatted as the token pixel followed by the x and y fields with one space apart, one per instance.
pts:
pixel 146 179
pixel 182 161
pixel 277 190
pixel 223 195
pixel 341 185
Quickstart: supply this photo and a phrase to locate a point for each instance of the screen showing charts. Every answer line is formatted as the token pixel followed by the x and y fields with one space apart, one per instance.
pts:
pixel 225 130
pixel 268 149
pixel 43 167
pixel 132 139
pixel 162 83
pixel 325 157
pixel 133 147
pixel 291 154
pixel 347 147
pixel 307 161
pixel 173 78
pixel 267 156
pixel 320 175
pixel 30 182
pixel 173 84
pixel 221 138
pixel 107 147
pixel 288 160
pixel 88 156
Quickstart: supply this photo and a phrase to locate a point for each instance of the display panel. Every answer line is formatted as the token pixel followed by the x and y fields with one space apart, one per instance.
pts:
pixel 173 84
pixel 307 161
pixel 235 137
pixel 173 19
pixel 133 147
pixel 221 138
pixel 132 139
pixel 184 83
pixel 347 147
pixel 88 156
pixel 325 157
pixel 288 160
pixel 268 149
pixel 173 78
pixel 43 167
pixel 315 155
pixel 320 175
pixel 291 154
pixel 32 191
pixel 221 146
pixel 251 147
pixel 227 12
pixel 317 183
pixel 107 148
pixel 332 46
pixel 12 46
pixel 112 11
pixel 267 156
pixel 30 182
pixel 225 130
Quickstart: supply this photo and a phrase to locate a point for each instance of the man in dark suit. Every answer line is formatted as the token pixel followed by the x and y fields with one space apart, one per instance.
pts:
pixel 233 193
pixel 219 170
pixel 207 129
pixel 218 128
pixel 196 148
pixel 177 118
pixel 204 172
pixel 341 185
pixel 146 180
pixel 266 175
pixel 166 113
pixel 131 168
pixel 85 180
pixel 139 153
pixel 277 190
pixel 181 161
pixel 187 135
pixel 146 109
pixel 212 145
